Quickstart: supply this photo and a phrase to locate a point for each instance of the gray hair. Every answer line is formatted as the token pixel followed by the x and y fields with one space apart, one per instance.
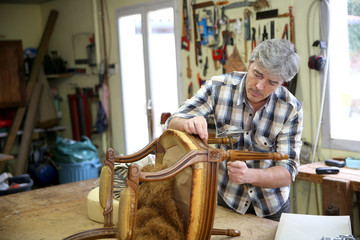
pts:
pixel 278 56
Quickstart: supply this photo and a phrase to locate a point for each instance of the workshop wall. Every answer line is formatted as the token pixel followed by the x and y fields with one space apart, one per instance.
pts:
pixel 21 22
pixel 83 16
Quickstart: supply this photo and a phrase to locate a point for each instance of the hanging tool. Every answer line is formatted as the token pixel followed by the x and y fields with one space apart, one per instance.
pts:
pixel 190 90
pixel 200 81
pixel 186 37
pixel 194 8
pixel 272 29
pixel 273 13
pixel 253 40
pixel 237 26
pixel 199 54
pixel 188 69
pixel 187 25
pixel 292 27
pixel 247 35
pixel 203 31
pixel 292 84
pixel 206 66
pixel 210 27
pixel 218 52
pixel 255 4
pixel 285 33
pixel 265 34
pixel 185 44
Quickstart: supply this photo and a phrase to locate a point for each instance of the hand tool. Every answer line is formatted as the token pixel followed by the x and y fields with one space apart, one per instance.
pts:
pixel 203 31
pixel 190 90
pixel 200 81
pixel 255 4
pixel 194 8
pixel 198 44
pixel 265 34
pixel 292 27
pixel 186 22
pixel 285 33
pixel 270 14
pixel 188 69
pixel 206 66
pixel 185 44
pixel 247 36
pixel 272 29
pixel 253 40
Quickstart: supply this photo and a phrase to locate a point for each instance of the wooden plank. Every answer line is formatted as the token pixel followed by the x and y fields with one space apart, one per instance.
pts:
pixel 30 122
pixel 41 51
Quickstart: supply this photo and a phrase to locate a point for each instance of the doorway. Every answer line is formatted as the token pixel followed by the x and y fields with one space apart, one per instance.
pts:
pixel 149 69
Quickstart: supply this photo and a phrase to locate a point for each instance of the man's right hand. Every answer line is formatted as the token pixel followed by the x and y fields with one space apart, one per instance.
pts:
pixel 195 125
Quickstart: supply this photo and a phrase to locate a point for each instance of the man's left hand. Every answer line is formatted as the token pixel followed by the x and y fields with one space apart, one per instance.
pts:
pixel 238 172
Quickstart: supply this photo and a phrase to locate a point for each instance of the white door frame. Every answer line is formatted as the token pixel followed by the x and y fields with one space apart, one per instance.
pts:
pixel 143 9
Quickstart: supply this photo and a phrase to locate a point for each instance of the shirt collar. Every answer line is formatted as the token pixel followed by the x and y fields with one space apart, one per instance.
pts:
pixel 242 91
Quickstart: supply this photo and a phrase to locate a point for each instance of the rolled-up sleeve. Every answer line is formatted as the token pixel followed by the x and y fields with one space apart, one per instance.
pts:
pixel 289 141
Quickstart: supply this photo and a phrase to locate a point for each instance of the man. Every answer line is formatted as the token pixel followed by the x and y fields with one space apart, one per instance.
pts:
pixel 271 118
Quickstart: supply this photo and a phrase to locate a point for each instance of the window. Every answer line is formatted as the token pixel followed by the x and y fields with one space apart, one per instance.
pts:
pixel 150 69
pixel 342 110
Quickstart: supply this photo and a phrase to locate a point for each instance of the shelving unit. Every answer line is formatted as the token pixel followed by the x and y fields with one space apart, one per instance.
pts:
pixel 37 130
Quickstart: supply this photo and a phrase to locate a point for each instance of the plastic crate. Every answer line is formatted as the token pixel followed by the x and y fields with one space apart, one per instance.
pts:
pixel 73 172
pixel 25 178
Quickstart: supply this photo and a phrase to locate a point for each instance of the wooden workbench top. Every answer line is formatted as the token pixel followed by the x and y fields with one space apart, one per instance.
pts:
pixel 307 172
pixel 60 211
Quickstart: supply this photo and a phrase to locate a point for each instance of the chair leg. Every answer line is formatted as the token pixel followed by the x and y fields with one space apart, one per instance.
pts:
pixel 227 232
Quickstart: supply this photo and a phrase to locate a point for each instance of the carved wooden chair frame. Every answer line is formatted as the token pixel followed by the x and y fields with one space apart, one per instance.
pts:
pixel 202 227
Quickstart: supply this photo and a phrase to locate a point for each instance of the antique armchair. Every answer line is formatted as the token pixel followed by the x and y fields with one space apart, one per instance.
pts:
pixel 192 166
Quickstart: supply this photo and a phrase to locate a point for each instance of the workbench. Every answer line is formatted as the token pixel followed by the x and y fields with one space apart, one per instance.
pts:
pixel 337 189
pixel 60 211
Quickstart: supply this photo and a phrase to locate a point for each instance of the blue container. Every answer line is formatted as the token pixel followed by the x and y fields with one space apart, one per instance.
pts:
pixel 73 172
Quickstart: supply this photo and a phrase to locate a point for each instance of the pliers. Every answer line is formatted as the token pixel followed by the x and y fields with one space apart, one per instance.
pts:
pixel 253 39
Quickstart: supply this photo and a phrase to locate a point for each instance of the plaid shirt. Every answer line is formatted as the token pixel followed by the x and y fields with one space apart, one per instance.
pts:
pixel 277 126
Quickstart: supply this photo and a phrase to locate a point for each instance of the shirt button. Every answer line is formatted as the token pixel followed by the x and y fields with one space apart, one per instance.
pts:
pixel 250 114
pixel 245 205
pixel 250 191
pixel 247 133
pixel 265 143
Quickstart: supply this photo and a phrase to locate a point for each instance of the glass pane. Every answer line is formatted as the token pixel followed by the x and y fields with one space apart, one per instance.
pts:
pixel 162 63
pixel 345 72
pixel 133 83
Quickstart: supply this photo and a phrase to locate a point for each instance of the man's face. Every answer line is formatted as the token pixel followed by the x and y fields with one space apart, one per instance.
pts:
pixel 260 83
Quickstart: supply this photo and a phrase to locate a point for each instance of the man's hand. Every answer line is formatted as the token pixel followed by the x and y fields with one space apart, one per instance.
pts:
pixel 273 177
pixel 238 172
pixel 195 125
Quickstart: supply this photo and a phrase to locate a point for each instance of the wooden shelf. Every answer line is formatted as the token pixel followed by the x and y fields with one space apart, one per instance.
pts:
pixel 62 75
